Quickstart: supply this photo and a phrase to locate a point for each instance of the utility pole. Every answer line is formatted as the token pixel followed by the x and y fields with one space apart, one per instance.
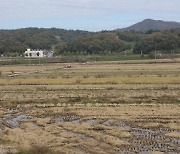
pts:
pixel 46 62
pixel 39 60
pixel 30 55
pixel 29 60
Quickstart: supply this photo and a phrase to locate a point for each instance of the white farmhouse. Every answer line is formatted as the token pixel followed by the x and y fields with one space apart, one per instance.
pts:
pixel 38 53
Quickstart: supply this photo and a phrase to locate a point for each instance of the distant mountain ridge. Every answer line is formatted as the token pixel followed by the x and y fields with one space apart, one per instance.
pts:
pixel 149 24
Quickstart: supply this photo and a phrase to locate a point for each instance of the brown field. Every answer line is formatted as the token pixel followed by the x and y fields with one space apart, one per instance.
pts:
pixel 95 107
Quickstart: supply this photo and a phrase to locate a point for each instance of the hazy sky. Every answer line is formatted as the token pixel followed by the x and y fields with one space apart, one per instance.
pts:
pixel 90 15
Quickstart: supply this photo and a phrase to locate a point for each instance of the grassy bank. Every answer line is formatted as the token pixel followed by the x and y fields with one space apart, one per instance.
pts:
pixel 70 58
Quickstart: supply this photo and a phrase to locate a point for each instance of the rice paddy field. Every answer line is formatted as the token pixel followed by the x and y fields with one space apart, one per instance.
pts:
pixel 93 107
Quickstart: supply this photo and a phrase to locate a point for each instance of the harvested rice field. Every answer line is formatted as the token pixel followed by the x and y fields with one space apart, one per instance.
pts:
pixel 95 107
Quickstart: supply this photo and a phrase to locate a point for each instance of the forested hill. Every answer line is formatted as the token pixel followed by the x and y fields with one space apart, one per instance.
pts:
pixel 148 24
pixel 13 42
pixel 37 38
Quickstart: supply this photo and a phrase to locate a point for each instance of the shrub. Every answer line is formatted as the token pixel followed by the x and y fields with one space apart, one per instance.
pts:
pixel 78 81
pixel 85 76
pixel 100 76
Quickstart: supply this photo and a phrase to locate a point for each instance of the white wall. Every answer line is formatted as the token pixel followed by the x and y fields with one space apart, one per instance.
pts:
pixel 34 53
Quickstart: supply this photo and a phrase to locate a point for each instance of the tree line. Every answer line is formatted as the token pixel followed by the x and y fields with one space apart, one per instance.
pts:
pixel 15 42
